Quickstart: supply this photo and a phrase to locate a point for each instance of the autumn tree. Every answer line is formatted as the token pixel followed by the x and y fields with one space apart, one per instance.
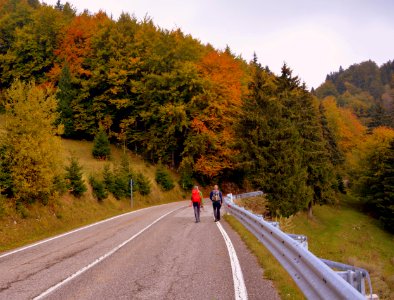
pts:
pixel 30 147
pixel 210 144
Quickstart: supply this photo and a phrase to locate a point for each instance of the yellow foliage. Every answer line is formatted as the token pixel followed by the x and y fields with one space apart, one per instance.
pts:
pixel 30 141
pixel 347 129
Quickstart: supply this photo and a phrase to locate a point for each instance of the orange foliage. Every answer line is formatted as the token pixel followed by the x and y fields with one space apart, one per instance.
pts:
pixel 75 45
pixel 222 100
pixel 347 128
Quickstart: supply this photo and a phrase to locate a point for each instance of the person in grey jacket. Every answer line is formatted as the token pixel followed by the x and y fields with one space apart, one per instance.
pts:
pixel 217 201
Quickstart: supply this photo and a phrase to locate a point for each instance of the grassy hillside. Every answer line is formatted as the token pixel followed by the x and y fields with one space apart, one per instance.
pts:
pixel 346 235
pixel 65 213
pixel 340 233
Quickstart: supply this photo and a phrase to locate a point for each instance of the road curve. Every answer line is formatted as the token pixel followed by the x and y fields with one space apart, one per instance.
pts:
pixel 154 253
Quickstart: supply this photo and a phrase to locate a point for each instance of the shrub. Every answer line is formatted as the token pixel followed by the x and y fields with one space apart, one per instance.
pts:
pixel 186 181
pixel 142 184
pixel 60 184
pixel 98 187
pixel 163 178
pixel 75 183
pixel 118 182
pixel 101 146
pixel 2 206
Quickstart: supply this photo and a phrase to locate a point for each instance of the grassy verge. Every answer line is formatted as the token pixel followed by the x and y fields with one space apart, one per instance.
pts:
pixel 346 235
pixel 342 233
pixel 287 289
pixel 36 222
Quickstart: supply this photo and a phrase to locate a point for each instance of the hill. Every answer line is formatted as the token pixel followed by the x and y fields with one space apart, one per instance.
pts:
pixel 336 232
pixel 366 88
pixel 35 221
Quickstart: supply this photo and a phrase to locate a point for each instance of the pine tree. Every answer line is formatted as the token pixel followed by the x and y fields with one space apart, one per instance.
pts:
pixel 302 109
pixel 163 178
pixel 74 179
pixel 270 153
pixel 377 186
pixel 65 95
pixel 101 146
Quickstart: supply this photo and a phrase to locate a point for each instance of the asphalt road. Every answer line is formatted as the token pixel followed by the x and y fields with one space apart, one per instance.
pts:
pixel 155 253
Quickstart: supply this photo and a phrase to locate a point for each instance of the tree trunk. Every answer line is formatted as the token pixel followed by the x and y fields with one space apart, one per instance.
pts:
pixel 310 214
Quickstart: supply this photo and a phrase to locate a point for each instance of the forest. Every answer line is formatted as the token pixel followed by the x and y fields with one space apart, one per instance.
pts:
pixel 206 113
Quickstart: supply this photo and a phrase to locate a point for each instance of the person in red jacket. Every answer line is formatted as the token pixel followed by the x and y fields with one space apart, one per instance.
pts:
pixel 196 200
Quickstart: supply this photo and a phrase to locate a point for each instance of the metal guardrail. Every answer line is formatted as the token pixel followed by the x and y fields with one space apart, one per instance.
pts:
pixel 313 275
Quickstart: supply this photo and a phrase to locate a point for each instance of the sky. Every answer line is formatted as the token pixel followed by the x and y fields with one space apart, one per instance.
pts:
pixel 314 37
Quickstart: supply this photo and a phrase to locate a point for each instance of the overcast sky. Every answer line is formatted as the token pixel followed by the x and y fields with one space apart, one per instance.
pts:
pixel 314 37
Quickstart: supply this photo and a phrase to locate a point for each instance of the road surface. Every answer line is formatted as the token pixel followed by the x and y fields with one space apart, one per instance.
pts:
pixel 154 253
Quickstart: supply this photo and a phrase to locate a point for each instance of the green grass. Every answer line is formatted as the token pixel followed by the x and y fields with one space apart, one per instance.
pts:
pixel 344 234
pixel 66 213
pixel 284 284
pixel 340 233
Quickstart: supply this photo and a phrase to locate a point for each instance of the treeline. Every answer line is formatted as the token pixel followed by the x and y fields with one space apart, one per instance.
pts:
pixel 358 105
pixel 365 88
pixel 206 113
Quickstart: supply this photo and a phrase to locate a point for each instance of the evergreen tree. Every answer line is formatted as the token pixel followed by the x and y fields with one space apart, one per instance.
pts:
pixel 65 95
pixel 270 152
pixel 101 146
pixel 74 179
pixel 142 184
pixel 302 109
pixel 377 186
pixel 163 178
pixel 98 188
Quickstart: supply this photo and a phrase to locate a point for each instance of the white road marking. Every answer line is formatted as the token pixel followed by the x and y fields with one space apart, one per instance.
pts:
pixel 73 231
pixel 101 258
pixel 238 278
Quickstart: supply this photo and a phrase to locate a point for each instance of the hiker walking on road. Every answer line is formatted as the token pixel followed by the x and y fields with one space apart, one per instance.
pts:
pixel 196 200
pixel 217 201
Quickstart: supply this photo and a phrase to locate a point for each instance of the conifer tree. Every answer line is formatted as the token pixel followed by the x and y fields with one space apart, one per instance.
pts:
pixel 101 146
pixel 270 154
pixel 377 185
pixel 74 178
pixel 65 95
pixel 302 110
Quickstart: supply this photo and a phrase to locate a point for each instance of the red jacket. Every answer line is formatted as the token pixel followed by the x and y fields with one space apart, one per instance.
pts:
pixel 196 197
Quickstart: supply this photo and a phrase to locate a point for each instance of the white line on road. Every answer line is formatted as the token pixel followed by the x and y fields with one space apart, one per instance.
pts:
pixel 91 265
pixel 73 231
pixel 239 283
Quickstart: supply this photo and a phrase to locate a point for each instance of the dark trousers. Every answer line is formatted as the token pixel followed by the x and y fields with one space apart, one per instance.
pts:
pixel 216 209
pixel 196 207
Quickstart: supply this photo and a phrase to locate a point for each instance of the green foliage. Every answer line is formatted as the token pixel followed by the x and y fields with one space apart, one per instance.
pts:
pixel 142 184
pixel 282 148
pixel 75 182
pixel 29 154
pixel 117 182
pixel 366 89
pixel 377 186
pixel 65 95
pixel 2 206
pixel 98 187
pixel 22 210
pixel 60 184
pixel 163 178
pixel 186 175
pixel 101 146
